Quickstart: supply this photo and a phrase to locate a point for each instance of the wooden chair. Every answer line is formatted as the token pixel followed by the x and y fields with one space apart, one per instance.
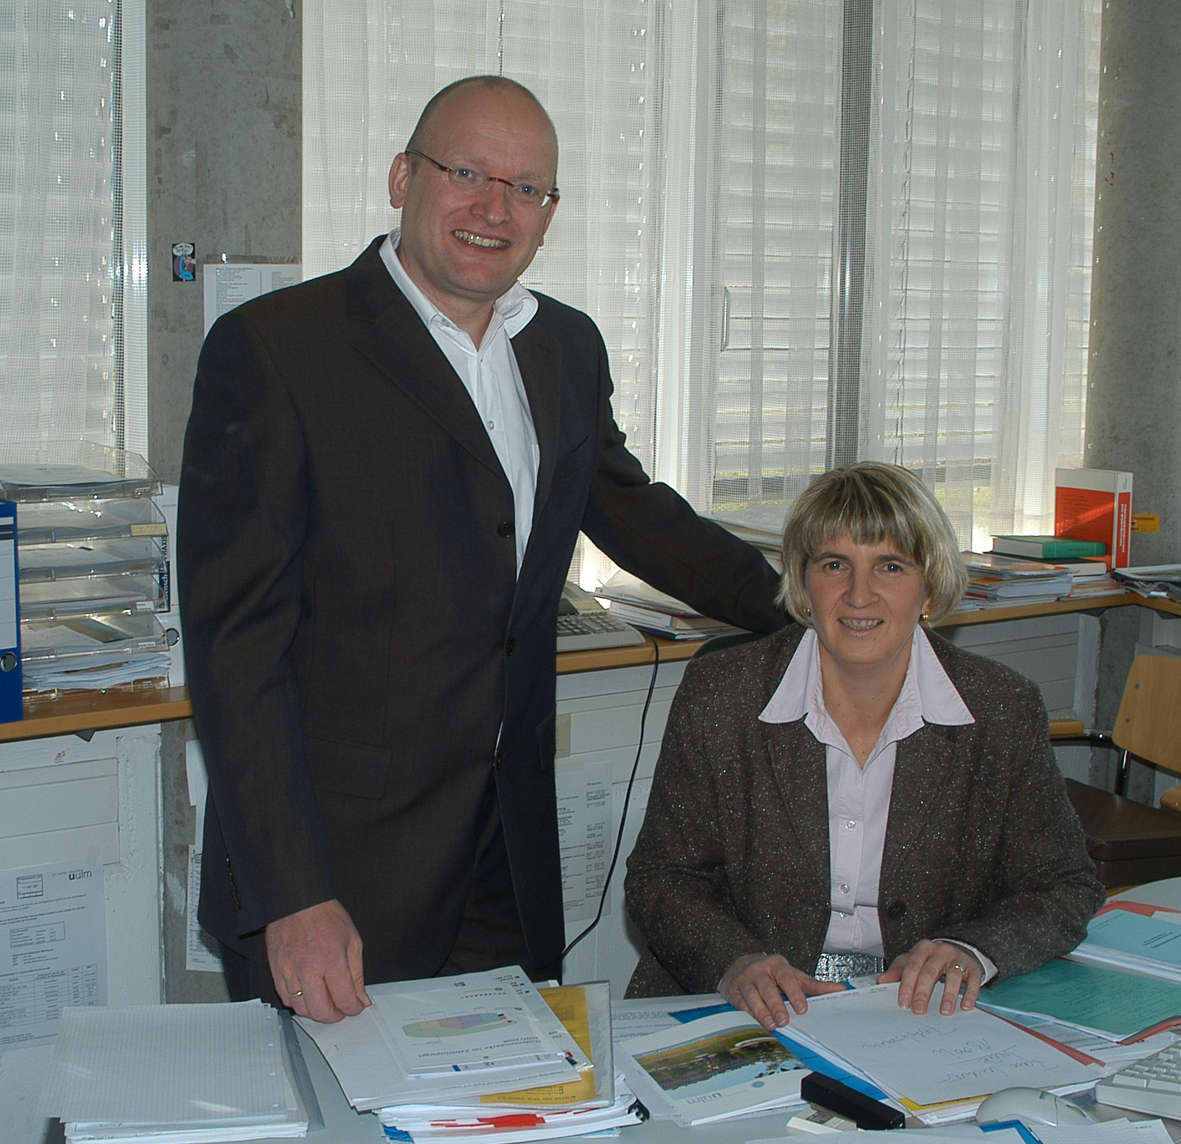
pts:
pixel 1129 842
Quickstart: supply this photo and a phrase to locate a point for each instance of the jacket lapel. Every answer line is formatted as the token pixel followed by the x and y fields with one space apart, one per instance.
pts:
pixel 396 342
pixel 798 765
pixel 921 771
pixel 539 358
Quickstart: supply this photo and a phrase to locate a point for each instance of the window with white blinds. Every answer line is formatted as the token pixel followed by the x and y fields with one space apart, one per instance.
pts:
pixel 61 348
pixel 712 227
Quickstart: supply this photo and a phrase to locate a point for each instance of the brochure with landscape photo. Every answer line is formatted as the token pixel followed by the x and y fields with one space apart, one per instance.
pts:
pixel 713 1068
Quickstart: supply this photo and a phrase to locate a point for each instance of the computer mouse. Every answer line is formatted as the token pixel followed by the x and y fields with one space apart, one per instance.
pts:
pixel 1033 1106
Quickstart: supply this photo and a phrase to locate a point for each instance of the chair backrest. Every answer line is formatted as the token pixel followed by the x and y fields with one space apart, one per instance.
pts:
pixel 1149 719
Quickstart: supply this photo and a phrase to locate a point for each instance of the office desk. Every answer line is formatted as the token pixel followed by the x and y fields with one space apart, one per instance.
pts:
pixel 20 1073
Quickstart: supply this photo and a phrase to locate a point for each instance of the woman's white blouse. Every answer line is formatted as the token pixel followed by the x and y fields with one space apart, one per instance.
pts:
pixel 859 797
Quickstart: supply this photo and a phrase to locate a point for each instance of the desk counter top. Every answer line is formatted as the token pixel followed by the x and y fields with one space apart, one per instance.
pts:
pixel 98 711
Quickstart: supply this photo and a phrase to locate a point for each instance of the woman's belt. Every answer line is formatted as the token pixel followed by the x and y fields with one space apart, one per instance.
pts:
pixel 842 966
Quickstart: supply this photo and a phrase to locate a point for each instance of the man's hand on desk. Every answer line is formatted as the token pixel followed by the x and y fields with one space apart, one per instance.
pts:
pixel 758 982
pixel 919 971
pixel 315 959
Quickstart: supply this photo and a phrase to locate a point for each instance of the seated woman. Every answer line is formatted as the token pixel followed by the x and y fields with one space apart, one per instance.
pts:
pixel 856 793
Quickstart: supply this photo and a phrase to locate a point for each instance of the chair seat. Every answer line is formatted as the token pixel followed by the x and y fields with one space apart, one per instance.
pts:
pixel 1128 841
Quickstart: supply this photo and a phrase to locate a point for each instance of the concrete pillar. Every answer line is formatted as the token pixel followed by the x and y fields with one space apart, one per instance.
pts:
pixel 224 137
pixel 1134 379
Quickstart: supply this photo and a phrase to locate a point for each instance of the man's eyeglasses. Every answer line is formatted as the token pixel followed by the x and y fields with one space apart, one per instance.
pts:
pixel 473 179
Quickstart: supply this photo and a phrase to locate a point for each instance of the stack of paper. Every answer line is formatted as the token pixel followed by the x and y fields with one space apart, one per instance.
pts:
pixel 1149 580
pixel 1109 1005
pixel 1135 938
pixel 760 525
pixel 174 1074
pixel 993 578
pixel 481 1056
pixel 630 599
pixel 933 1067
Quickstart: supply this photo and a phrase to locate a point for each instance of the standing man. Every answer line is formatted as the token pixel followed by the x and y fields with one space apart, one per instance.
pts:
pixel 385 473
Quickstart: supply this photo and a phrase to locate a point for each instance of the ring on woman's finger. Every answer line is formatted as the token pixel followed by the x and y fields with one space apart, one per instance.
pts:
pixel 297 993
pixel 955 965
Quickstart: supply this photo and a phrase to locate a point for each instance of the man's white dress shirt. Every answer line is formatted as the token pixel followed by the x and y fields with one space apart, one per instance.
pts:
pixel 491 376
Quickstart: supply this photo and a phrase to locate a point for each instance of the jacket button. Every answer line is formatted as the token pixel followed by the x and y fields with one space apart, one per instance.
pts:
pixel 506 528
pixel 896 910
pixel 510 646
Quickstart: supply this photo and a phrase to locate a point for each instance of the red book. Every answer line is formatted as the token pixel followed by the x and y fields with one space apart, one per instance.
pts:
pixel 1095 504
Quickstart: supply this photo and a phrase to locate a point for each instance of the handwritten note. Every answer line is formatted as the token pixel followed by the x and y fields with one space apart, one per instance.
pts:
pixel 931 1059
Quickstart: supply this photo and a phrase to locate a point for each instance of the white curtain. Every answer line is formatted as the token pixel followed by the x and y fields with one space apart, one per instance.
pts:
pixel 978 277
pixel 700 189
pixel 59 247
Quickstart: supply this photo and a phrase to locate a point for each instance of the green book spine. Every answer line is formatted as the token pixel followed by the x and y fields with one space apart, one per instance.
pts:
pixel 1048 547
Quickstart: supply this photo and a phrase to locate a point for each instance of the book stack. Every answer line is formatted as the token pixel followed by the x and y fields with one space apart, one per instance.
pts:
pixel 92 567
pixel 1055 549
pixel 630 599
pixel 1085 560
pixel 484 1056
pixel 996 580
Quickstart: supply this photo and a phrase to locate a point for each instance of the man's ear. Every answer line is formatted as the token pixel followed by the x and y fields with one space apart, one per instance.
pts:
pixel 399 177
pixel 551 208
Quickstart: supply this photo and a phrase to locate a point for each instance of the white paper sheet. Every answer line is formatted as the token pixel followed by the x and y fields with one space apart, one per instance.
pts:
pixel 359 1052
pixel 226 285
pixel 931 1058
pixel 169 1063
pixel 585 836
pixel 201 952
pixel 53 936
pixel 455 1024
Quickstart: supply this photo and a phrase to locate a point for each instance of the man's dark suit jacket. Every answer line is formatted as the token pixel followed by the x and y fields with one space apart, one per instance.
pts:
pixel 982 845
pixel 361 650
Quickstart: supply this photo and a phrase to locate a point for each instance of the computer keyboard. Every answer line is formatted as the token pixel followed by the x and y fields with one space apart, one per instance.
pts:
pixel 582 631
pixel 1152 1085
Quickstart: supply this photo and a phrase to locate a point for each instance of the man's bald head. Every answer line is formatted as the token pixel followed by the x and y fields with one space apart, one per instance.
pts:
pixel 420 138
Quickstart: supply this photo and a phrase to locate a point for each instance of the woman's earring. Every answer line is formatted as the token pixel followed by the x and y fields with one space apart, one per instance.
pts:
pixel 924 617
pixel 807 613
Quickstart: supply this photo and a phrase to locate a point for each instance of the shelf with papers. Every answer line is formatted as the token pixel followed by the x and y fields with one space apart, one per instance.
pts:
pixel 85 711
pixel 97 711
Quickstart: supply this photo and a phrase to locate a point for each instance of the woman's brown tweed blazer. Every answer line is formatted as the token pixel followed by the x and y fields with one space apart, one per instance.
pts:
pixel 981 845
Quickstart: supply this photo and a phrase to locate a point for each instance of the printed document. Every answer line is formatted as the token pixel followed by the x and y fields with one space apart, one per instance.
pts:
pixel 53 947
pixel 933 1059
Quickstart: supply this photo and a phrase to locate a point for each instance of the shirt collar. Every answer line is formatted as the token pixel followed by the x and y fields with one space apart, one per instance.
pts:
pixel 515 307
pixel 927 686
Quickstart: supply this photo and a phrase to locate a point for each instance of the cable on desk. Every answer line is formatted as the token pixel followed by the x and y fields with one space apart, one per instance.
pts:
pixel 626 799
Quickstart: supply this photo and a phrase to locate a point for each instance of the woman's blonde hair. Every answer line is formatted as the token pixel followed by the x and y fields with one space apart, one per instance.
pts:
pixel 873 502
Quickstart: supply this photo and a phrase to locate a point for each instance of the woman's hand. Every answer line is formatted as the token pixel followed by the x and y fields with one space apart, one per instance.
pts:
pixel 758 983
pixel 919 971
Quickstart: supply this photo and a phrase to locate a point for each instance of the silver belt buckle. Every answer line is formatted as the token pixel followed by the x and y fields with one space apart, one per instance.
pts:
pixel 842 966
